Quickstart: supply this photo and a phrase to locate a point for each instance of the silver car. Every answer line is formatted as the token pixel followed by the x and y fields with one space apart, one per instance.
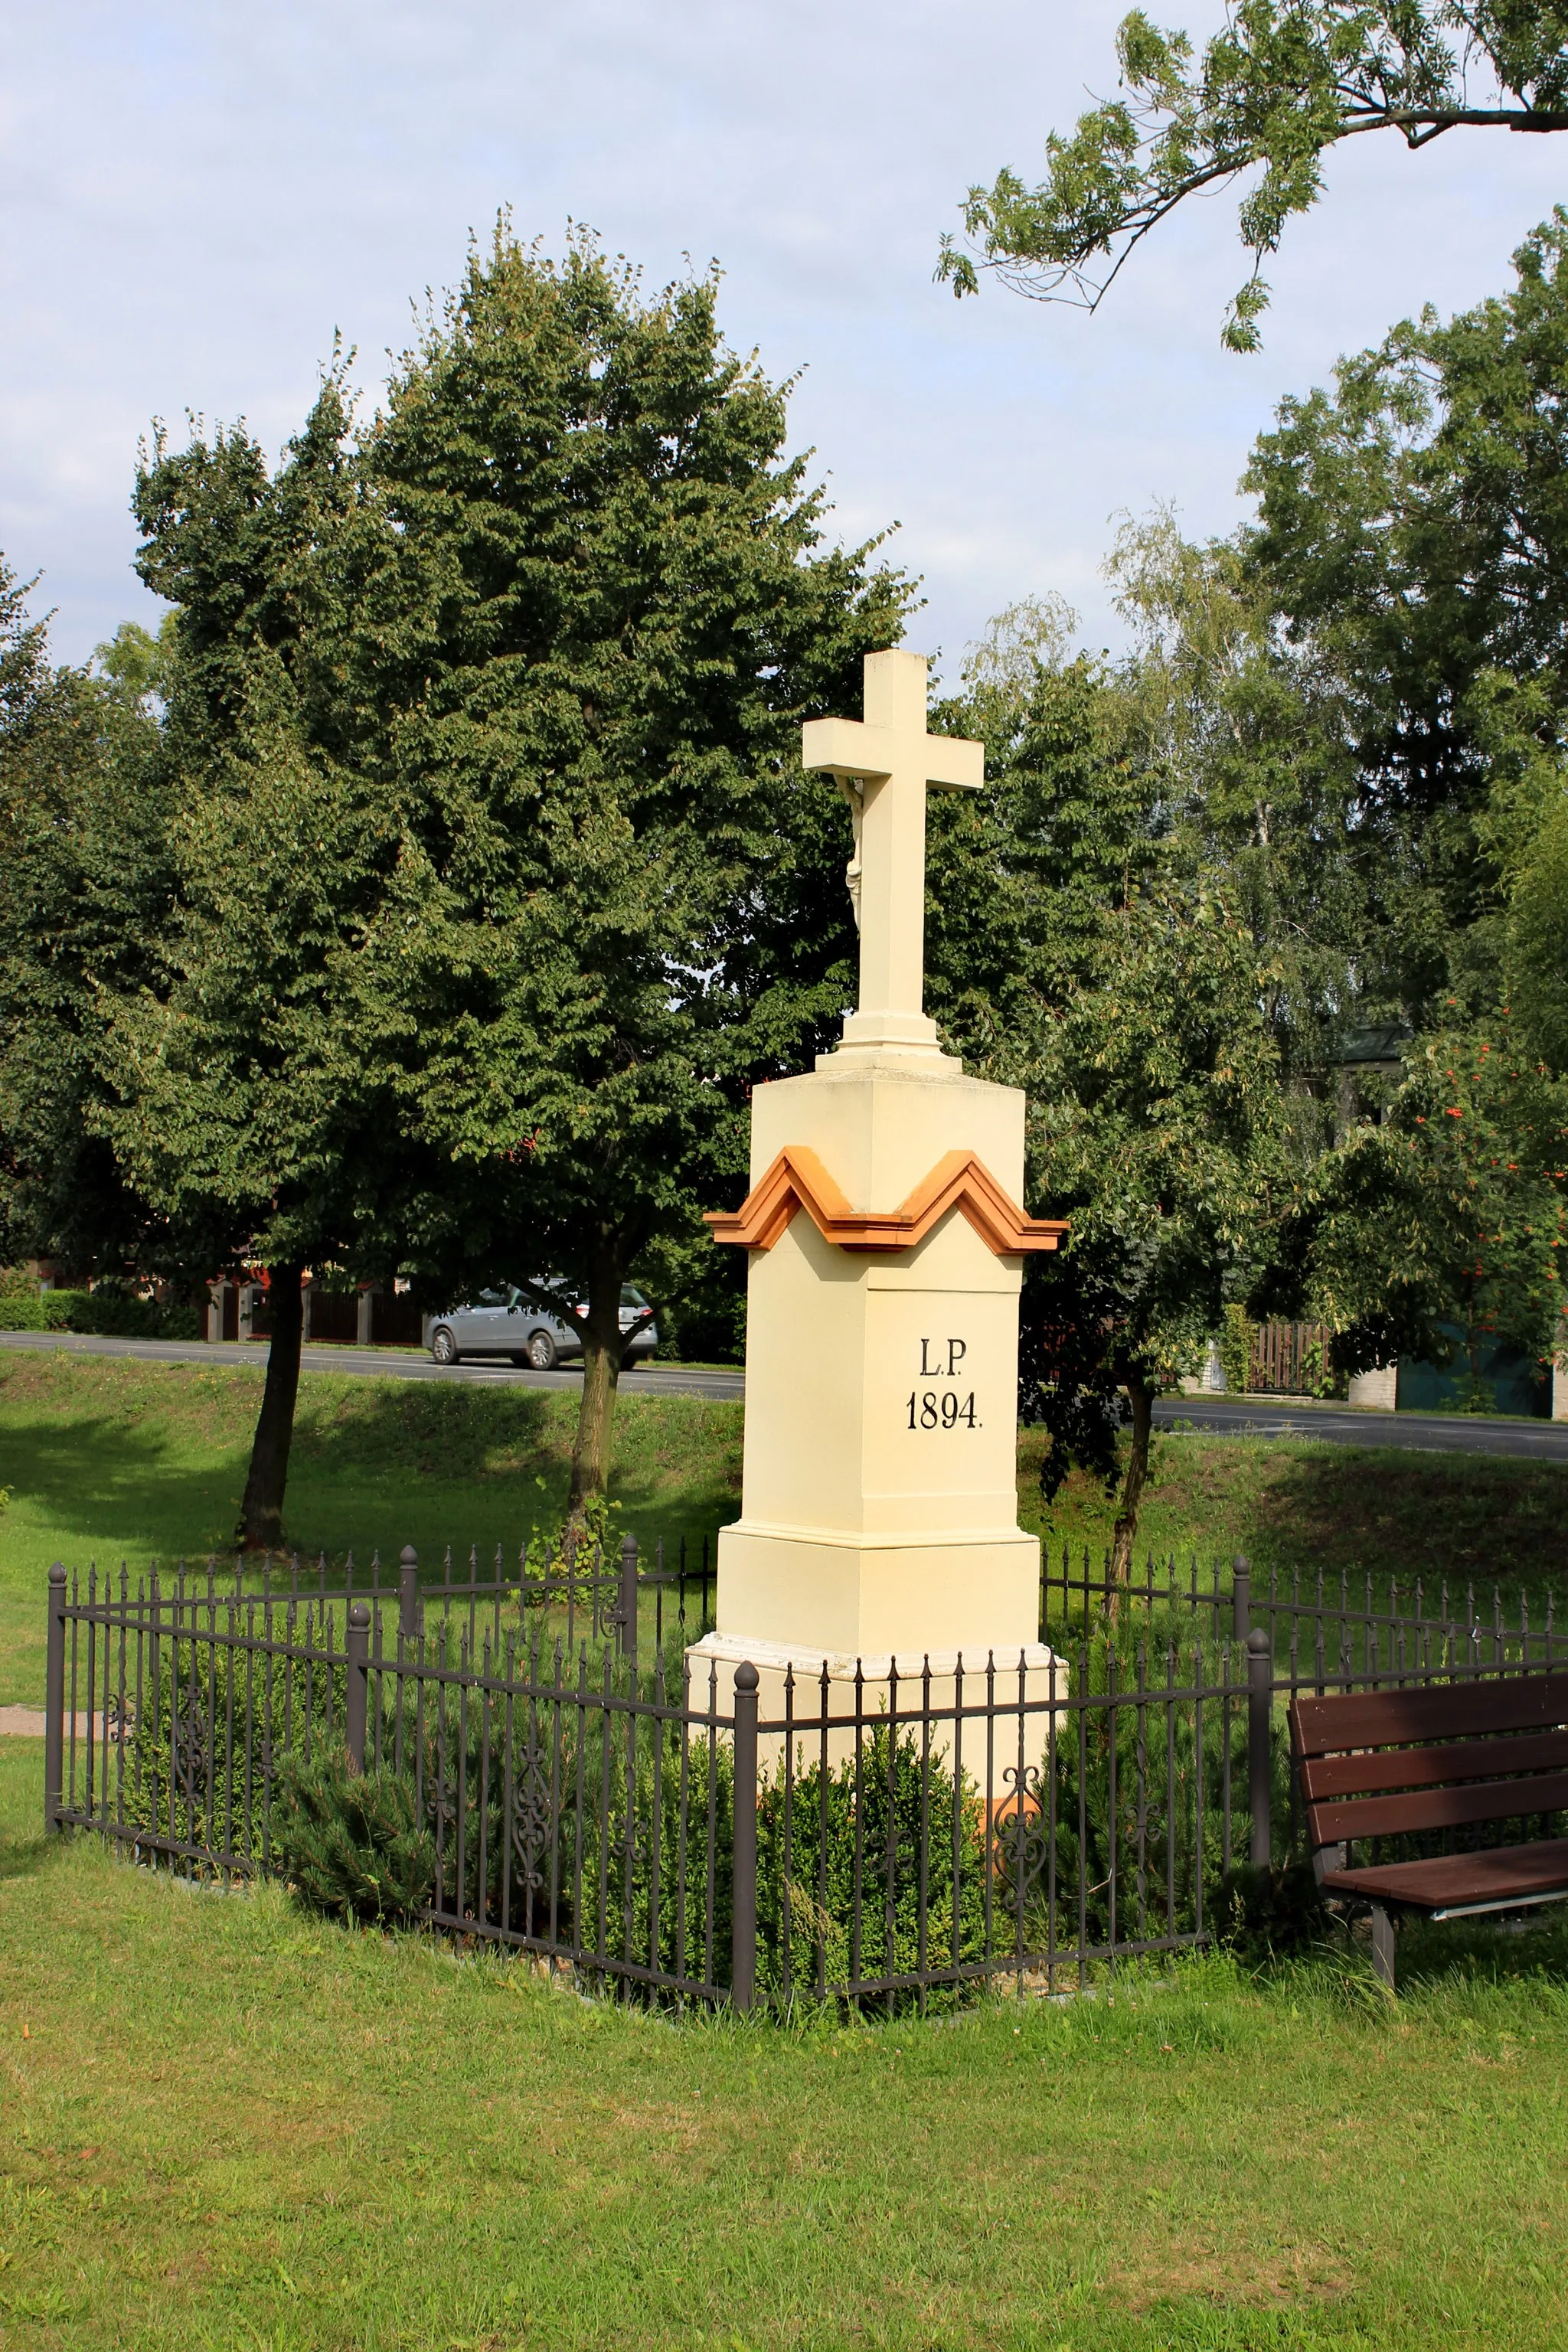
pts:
pixel 505 1323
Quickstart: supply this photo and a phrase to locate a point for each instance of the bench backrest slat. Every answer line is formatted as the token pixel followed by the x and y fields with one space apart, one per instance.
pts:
pixel 1369 1770
pixel 1413 1717
pixel 1439 1809
pixel 1389 1763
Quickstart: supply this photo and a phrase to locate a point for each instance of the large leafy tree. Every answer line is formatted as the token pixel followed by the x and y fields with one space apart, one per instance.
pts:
pixel 1082 946
pixel 237 1099
pixel 1271 94
pixel 494 881
pixel 1412 539
pixel 1451 1211
pixel 592 602
pixel 85 876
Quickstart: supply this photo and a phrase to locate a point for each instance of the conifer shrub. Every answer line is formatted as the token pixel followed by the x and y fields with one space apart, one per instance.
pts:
pixel 210 1730
pixel 352 1843
pixel 871 1870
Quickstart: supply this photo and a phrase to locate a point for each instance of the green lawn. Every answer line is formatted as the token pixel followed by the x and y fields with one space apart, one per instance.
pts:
pixel 224 2124
pixel 113 1459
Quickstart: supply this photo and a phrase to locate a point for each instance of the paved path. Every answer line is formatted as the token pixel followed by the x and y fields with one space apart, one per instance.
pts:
pixel 32 1722
pixel 1538 1441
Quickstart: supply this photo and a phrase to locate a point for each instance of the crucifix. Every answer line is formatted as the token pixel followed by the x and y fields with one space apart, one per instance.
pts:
pixel 884 768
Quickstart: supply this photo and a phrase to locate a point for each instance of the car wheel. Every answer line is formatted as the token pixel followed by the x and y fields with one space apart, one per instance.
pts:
pixel 443 1347
pixel 541 1351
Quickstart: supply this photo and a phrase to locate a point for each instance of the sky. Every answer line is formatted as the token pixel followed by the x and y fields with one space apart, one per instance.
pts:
pixel 194 200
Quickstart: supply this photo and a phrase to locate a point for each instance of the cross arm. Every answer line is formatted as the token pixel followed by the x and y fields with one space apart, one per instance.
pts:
pixel 846 747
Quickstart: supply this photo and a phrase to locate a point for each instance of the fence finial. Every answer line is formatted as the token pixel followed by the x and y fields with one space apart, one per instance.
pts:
pixel 356 1709
pixel 626 1609
pixel 1241 1596
pixel 407 1593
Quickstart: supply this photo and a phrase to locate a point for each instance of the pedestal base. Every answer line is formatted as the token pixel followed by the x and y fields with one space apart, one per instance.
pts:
pixel 987 1714
pixel 818 1591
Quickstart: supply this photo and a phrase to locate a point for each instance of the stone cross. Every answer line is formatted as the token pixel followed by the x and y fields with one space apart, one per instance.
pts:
pixel 886 765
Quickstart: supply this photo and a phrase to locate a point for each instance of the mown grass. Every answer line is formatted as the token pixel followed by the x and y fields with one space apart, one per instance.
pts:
pixel 1294 1505
pixel 113 1458
pixel 224 2123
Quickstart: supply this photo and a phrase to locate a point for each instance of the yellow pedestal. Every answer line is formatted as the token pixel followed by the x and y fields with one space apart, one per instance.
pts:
pixel 879 1503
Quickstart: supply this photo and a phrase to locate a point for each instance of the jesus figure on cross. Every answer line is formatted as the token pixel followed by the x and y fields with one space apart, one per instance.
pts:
pixel 887 764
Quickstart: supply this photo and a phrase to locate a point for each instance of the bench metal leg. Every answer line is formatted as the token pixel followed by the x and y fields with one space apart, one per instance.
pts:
pixel 1383 1946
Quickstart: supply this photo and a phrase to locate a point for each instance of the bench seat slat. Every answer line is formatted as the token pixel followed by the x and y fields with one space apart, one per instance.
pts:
pixel 1439 1809
pixel 1502 1875
pixel 1326 1777
pixel 1415 1716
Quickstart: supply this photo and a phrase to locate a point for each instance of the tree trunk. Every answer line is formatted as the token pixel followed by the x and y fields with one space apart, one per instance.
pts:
pixel 1140 1396
pixel 601 1348
pixel 261 1512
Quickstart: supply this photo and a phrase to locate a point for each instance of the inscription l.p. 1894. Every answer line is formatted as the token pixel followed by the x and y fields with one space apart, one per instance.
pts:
pixel 943 1408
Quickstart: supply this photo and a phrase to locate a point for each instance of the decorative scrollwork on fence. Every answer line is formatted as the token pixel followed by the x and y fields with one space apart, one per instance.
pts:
pixel 532 1807
pixel 192 1733
pixel 1020 1834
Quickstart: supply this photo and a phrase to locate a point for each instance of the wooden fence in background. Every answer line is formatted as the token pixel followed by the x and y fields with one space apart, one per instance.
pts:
pixel 1288 1358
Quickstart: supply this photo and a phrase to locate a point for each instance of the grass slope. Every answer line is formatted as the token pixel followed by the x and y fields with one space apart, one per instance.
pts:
pixel 224 2123
pixel 111 1458
pixel 1294 1506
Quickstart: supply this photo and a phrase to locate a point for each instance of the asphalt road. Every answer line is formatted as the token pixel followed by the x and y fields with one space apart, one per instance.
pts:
pixel 1537 1441
pixel 384 1363
pixel 1429 1432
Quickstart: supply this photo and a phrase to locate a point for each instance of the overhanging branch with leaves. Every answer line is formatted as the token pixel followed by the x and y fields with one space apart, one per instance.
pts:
pixel 1282 84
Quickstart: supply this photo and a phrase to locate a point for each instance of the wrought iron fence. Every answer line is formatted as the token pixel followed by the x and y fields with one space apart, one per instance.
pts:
pixel 577 1809
pixel 1325 1633
pixel 582 1589
pixel 653 1820
pixel 921 1835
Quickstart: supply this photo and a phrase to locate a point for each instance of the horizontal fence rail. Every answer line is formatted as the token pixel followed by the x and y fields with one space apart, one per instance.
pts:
pixel 594 1794
pixel 576 1809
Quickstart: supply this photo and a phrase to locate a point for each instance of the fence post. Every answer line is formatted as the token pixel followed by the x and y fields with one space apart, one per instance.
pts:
pixel 408 1594
pixel 55 1701
pixel 627 1612
pixel 744 1917
pixel 357 1710
pixel 1259 1715
pixel 1241 1595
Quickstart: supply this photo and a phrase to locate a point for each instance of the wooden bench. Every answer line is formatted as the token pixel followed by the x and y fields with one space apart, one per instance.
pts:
pixel 1396 1763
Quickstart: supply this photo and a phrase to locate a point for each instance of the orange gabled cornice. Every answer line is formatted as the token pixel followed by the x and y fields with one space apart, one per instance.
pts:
pixel 797 1180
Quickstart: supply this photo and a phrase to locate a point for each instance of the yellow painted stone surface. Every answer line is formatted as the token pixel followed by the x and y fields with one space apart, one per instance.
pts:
pixel 880 1512
pixel 878 1508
